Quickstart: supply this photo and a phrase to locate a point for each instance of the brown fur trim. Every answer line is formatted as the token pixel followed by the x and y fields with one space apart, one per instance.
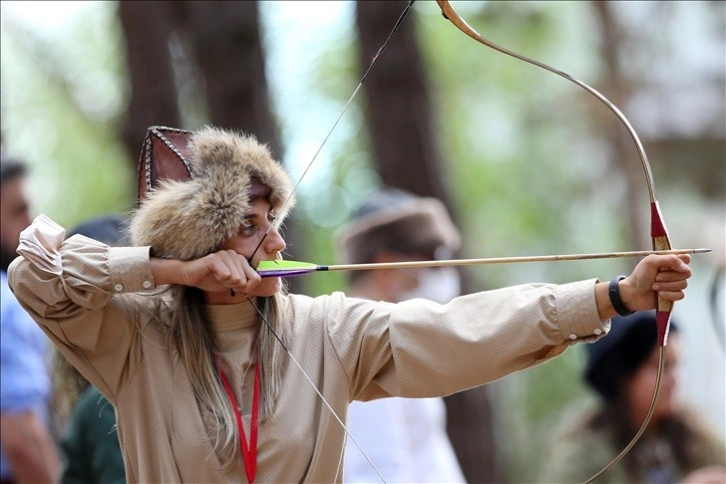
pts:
pixel 189 219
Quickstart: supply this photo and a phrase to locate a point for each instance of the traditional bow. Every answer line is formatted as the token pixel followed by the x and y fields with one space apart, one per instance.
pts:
pixel 659 235
pixel 658 232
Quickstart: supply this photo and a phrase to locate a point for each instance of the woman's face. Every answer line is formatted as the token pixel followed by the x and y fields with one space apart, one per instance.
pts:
pixel 258 222
pixel 639 387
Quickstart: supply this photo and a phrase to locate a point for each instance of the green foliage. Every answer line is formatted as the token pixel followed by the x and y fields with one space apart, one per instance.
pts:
pixel 62 95
pixel 531 405
pixel 517 140
pixel 341 175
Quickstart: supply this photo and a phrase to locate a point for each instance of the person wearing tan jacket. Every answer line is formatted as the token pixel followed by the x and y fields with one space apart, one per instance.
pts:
pixel 217 374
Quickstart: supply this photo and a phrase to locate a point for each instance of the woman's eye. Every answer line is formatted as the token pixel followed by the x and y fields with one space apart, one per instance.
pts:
pixel 248 229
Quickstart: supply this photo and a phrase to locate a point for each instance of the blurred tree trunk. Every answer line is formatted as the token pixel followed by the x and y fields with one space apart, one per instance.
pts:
pixel 227 48
pixel 147 27
pixel 400 120
pixel 226 39
pixel 619 91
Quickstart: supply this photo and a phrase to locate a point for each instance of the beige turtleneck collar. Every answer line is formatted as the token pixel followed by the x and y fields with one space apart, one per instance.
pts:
pixel 232 324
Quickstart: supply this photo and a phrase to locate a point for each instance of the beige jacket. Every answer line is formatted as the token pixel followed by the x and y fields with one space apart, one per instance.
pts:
pixel 350 348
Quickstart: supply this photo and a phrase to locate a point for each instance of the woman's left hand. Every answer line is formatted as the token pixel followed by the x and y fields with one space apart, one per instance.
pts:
pixel 664 276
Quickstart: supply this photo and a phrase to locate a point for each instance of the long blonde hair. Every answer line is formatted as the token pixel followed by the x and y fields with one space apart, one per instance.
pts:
pixel 68 384
pixel 193 340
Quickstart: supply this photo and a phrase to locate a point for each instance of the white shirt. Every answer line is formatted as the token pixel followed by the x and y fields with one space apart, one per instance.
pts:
pixel 404 437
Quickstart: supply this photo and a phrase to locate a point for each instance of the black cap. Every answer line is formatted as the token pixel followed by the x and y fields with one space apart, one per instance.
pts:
pixel 111 229
pixel 618 355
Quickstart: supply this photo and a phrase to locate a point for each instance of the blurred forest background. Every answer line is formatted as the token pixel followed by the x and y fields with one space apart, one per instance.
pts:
pixel 527 162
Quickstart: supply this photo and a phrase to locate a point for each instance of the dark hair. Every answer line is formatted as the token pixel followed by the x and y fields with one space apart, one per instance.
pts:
pixel 11 168
pixel 111 229
pixel 610 361
pixel 690 439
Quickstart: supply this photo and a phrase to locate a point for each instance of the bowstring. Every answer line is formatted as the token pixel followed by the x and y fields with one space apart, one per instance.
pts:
pixel 396 26
pixel 307 377
pixel 340 116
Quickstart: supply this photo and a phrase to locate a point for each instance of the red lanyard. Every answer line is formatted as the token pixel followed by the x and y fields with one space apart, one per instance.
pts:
pixel 249 454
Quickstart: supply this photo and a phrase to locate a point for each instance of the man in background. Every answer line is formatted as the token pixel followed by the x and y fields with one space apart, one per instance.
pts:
pixel 27 450
pixel 405 438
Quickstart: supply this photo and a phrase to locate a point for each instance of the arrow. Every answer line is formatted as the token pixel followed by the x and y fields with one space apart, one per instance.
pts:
pixel 291 268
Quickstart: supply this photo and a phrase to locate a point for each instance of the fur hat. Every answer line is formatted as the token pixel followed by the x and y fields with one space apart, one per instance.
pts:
pixel 612 359
pixel 187 217
pixel 398 221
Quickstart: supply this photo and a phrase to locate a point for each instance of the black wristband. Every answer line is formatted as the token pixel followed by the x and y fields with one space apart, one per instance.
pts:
pixel 615 300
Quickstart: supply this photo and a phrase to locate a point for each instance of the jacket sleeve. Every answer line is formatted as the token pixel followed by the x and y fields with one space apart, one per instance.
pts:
pixel 86 310
pixel 419 348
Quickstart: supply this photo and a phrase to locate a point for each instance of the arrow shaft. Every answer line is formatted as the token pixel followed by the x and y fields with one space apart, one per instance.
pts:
pixel 481 261
pixel 506 260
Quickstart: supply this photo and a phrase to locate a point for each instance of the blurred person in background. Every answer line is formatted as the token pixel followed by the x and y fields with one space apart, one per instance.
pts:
pixel 90 444
pixel 28 452
pixel 404 437
pixel 677 447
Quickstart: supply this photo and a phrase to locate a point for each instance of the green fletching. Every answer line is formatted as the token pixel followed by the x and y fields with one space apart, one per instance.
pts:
pixel 285 268
pixel 285 264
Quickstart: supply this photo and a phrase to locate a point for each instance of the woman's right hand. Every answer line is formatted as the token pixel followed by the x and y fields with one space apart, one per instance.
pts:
pixel 219 271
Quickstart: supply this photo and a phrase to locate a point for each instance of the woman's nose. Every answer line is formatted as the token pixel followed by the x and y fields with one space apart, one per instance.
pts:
pixel 274 243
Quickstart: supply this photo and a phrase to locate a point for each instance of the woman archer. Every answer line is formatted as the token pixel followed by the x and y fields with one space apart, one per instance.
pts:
pixel 199 371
